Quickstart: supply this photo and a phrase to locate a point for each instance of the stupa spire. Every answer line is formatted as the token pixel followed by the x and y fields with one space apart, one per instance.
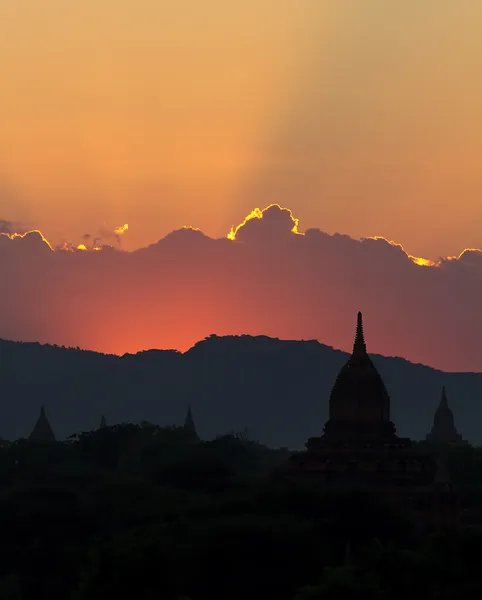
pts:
pixel 359 402
pixel 359 346
pixel 103 423
pixel 443 400
pixel 189 425
pixel 443 428
pixel 42 432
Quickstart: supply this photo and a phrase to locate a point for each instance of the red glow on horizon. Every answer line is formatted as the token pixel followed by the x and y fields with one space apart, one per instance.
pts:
pixel 174 295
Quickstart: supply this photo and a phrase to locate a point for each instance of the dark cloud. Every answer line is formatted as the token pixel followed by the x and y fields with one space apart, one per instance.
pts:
pixel 27 246
pixel 270 279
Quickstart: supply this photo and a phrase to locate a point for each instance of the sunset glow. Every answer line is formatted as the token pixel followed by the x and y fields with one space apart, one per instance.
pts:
pixel 172 170
pixel 240 254
pixel 174 293
pixel 357 115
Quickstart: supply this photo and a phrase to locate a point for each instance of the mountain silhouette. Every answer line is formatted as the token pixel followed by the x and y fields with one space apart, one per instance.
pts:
pixel 278 390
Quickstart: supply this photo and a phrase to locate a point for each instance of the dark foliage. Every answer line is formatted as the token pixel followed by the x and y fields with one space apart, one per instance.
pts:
pixel 144 512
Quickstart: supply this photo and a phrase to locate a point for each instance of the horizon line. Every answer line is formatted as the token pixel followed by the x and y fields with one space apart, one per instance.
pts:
pixel 242 335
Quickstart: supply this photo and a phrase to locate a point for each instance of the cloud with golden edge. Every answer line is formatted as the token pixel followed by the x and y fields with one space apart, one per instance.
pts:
pixel 257 213
pixel 121 229
pixel 421 262
pixel 13 236
pixel 467 251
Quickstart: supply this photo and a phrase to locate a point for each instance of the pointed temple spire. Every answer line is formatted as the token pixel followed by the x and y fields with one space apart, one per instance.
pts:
pixel 42 432
pixel 443 428
pixel 359 402
pixel 360 437
pixel 189 425
pixel 103 423
pixel 359 346
pixel 444 405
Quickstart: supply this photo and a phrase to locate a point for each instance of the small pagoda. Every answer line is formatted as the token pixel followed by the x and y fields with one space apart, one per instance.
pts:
pixel 443 429
pixel 190 426
pixel 42 431
pixel 359 446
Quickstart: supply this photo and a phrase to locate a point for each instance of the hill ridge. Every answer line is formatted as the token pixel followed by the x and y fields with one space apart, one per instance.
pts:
pixel 278 389
pixel 214 336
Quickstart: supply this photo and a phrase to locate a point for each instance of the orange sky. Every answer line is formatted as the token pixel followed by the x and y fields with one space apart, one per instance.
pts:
pixel 363 116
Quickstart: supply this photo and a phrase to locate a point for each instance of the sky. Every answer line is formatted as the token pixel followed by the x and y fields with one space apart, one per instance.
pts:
pixel 267 278
pixel 122 122
pixel 362 116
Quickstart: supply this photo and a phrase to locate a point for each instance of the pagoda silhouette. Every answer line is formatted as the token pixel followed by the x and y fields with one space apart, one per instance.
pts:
pixel 42 431
pixel 443 429
pixel 359 447
pixel 359 401
pixel 190 426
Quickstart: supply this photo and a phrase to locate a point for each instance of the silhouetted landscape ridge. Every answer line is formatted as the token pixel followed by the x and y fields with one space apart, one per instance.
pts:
pixel 277 389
